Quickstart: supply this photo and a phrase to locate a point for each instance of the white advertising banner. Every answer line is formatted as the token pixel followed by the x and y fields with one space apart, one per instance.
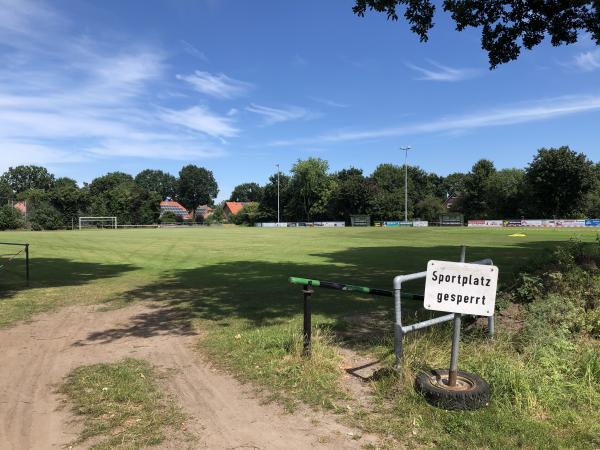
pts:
pixel 484 223
pixel 531 223
pixel 476 223
pixel 570 223
pixel 329 224
pixel 271 224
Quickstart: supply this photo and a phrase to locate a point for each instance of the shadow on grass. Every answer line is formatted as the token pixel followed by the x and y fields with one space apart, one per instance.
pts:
pixel 258 292
pixel 157 322
pixel 55 272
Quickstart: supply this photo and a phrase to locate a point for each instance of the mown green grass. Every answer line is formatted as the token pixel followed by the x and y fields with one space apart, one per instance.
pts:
pixel 121 405
pixel 233 281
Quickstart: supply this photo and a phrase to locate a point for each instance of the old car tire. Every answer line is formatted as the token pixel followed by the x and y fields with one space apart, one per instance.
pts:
pixel 471 391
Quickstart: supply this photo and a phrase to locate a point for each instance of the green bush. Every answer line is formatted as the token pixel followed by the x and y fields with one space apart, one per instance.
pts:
pixel 217 217
pixel 170 217
pixel 248 215
pixel 562 297
pixel 10 218
pixel 45 217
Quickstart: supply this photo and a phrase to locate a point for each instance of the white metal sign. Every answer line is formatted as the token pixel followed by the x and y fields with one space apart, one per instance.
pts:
pixel 461 288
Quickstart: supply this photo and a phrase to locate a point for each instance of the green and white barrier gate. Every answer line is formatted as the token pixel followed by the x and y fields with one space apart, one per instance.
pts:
pixel 401 330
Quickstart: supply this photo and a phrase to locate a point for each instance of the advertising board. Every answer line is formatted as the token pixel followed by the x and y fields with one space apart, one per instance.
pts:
pixel 592 222
pixel 532 223
pixel 511 223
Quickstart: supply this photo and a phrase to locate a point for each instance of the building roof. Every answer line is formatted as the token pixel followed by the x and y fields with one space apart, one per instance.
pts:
pixel 235 207
pixel 174 207
pixel 22 207
pixel 171 203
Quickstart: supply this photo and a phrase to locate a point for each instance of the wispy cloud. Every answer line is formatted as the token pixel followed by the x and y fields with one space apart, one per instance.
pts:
pixel 299 61
pixel 199 118
pixel 68 98
pixel 276 115
pixel 181 150
pixel 327 102
pixel 216 85
pixel 192 50
pixel 522 113
pixel 587 61
pixel 439 72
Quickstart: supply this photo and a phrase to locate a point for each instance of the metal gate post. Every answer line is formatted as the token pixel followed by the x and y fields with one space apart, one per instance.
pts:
pixel 27 263
pixel 307 320
pixel 398 332
pixel 491 326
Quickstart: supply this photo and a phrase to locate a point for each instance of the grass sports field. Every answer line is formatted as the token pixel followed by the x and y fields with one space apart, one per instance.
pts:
pixel 232 282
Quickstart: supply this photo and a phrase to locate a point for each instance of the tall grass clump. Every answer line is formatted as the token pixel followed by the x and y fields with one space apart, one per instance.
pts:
pixel 272 356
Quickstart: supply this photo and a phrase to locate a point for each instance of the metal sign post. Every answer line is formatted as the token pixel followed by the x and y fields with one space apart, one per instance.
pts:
pixel 455 337
pixel 459 288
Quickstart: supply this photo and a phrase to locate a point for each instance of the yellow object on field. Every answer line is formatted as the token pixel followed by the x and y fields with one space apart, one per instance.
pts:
pixel 517 235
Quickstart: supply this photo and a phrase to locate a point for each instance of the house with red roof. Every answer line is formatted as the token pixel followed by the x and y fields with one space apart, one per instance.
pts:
pixel 21 207
pixel 176 208
pixel 203 211
pixel 232 208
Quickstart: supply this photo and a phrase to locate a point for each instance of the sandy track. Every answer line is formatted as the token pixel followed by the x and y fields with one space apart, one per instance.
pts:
pixel 224 414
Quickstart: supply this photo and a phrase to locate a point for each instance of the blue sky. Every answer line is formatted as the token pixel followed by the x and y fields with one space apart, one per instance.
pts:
pixel 89 87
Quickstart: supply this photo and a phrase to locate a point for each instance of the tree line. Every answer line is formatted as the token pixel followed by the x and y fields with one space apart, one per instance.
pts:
pixel 558 182
pixel 55 203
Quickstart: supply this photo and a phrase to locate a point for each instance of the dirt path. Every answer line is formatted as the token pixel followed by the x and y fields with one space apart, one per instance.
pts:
pixel 224 414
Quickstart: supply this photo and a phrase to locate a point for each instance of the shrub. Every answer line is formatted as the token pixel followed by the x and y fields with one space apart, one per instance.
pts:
pixel 248 215
pixel 45 217
pixel 170 217
pixel 562 297
pixel 10 218
pixel 217 217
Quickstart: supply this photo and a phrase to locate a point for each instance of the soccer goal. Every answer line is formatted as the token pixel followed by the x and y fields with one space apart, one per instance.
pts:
pixel 97 222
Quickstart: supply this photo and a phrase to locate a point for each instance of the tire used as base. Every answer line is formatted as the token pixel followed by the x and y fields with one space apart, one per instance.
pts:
pixel 474 392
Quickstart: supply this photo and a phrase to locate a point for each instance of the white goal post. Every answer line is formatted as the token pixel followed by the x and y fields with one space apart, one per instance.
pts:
pixel 98 222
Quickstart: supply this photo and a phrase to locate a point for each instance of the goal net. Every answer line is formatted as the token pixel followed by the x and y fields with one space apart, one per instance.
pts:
pixel 97 222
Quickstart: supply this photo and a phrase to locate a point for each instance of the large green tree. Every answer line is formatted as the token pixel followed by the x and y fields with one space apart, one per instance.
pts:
pixel 23 178
pixel 429 208
pixel 503 191
pixel 116 194
pixel 157 181
pixel 591 200
pixel 453 184
pixel 352 194
pixel 197 186
pixel 387 201
pixel 506 25
pixel 268 205
pixel 107 182
pixel 474 202
pixel 246 192
pixel 6 192
pixel 68 199
pixel 557 180
pixel 310 188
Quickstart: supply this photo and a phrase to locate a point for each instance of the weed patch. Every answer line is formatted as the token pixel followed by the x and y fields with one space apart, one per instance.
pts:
pixel 121 405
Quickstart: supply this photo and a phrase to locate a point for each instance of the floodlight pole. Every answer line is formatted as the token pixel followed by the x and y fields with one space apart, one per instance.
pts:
pixel 406 149
pixel 277 192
